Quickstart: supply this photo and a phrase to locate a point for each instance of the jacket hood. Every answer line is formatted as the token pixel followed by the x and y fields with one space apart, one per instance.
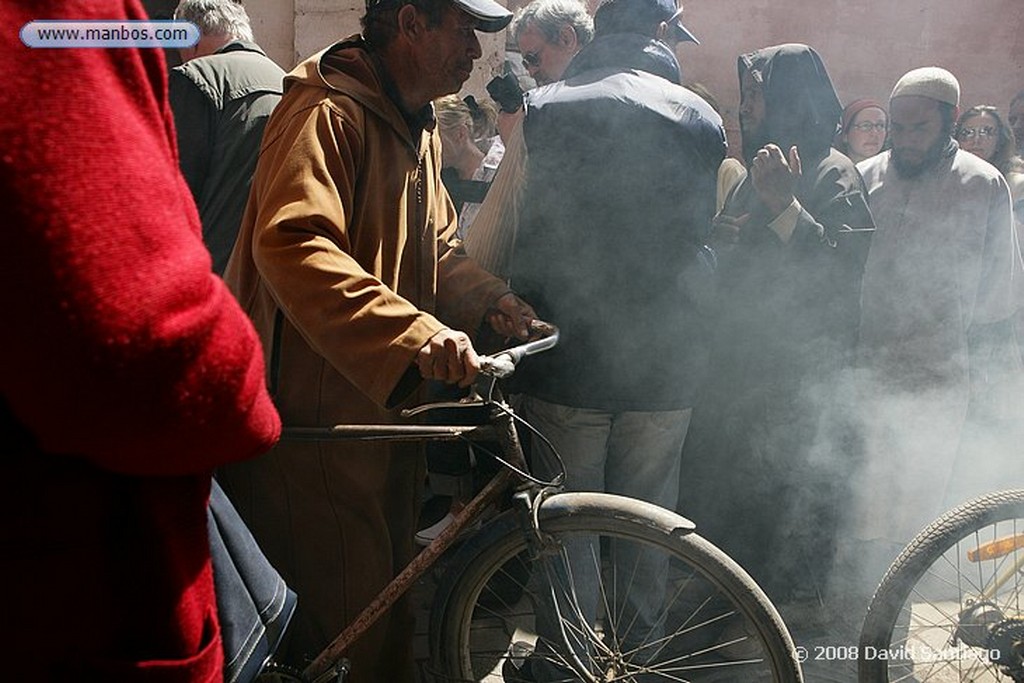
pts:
pixel 347 68
pixel 801 105
pixel 626 51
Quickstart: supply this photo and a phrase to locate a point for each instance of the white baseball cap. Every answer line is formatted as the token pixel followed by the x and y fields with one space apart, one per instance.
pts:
pixel 491 17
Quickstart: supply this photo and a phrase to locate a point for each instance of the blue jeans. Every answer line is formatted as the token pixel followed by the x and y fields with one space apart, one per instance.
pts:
pixel 635 454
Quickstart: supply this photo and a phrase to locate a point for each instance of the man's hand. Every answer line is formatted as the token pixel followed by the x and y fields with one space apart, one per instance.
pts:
pixel 510 316
pixel 449 356
pixel 774 177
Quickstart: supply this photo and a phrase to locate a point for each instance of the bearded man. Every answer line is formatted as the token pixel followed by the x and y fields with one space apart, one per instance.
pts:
pixel 936 324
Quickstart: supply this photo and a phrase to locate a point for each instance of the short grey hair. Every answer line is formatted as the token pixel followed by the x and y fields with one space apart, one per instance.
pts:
pixel 216 17
pixel 549 16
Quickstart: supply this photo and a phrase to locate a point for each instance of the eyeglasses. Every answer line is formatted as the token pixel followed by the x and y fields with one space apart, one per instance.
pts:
pixel 868 127
pixel 970 133
pixel 531 60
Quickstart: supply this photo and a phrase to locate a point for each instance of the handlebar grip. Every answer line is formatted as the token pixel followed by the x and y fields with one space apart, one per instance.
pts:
pixel 504 363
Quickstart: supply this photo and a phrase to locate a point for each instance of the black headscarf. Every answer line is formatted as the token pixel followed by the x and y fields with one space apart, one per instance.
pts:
pixel 801 105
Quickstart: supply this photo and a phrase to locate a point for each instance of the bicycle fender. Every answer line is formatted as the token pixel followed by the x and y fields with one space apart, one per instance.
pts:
pixel 586 502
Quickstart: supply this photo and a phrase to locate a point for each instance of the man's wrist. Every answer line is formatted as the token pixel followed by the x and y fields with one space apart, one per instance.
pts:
pixel 776 207
pixel 785 221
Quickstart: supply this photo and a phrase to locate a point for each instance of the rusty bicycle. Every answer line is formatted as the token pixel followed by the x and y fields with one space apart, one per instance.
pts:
pixel 510 603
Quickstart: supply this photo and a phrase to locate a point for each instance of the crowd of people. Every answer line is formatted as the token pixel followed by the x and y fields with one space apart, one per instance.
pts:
pixel 855 368
pixel 810 350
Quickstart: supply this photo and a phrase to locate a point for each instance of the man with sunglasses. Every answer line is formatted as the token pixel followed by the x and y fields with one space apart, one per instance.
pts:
pixel 549 33
pixel 346 261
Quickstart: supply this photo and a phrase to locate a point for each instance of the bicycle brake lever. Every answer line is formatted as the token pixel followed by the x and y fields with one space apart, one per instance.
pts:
pixel 501 365
pixel 473 400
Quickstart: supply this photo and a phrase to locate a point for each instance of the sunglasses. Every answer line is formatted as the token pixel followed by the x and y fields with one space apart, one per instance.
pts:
pixel 969 133
pixel 675 17
pixel 531 60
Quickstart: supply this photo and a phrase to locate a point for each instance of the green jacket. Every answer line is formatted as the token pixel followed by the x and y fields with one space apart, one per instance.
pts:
pixel 221 104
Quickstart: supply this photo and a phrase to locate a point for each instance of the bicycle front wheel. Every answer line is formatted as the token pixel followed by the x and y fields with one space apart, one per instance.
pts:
pixel 623 591
pixel 949 608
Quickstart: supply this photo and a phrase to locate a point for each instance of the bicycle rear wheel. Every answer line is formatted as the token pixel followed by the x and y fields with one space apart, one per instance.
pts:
pixel 938 614
pixel 664 604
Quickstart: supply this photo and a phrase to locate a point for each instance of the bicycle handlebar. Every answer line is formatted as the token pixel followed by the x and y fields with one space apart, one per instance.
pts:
pixel 499 366
pixel 503 363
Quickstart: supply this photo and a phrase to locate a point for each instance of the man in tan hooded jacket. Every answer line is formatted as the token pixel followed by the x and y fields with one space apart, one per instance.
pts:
pixel 346 262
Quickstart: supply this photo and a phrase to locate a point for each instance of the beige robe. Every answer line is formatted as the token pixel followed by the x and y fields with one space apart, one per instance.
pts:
pixel 943 262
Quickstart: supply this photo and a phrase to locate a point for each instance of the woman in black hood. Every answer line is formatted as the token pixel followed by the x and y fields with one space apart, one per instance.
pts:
pixel 761 473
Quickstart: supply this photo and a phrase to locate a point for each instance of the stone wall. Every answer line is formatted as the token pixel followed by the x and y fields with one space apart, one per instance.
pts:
pixel 866 44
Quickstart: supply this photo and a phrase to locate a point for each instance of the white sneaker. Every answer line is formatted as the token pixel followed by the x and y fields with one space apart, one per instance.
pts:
pixel 425 537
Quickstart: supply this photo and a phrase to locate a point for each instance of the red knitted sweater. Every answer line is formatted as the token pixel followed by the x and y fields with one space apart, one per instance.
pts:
pixel 128 371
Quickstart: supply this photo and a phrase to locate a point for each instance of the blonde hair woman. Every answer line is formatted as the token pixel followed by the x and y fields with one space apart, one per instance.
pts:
pixel 468 169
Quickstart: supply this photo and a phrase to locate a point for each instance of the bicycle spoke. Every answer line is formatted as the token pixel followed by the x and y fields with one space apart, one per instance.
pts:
pixel 609 612
pixel 682 587
pixel 624 602
pixel 493 593
pixel 581 629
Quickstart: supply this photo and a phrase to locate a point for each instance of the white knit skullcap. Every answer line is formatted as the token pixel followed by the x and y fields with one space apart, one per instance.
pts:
pixel 931 82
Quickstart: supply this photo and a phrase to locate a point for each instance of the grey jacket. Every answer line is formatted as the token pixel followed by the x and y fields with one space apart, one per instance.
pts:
pixel 221 104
